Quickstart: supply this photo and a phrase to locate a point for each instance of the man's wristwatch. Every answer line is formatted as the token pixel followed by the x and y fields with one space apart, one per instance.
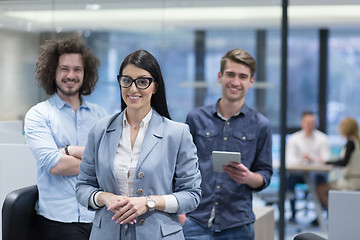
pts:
pixel 66 148
pixel 150 203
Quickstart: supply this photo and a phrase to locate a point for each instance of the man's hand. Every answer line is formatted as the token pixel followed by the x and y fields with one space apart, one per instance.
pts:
pixel 308 159
pixel 242 175
pixel 182 218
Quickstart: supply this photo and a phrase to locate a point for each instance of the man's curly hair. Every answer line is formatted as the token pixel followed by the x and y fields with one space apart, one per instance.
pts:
pixel 48 61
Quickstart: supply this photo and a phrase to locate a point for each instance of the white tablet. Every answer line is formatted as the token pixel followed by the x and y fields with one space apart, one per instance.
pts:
pixel 221 158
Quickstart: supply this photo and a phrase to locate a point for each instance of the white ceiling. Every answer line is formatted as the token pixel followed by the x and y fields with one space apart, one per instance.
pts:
pixel 65 15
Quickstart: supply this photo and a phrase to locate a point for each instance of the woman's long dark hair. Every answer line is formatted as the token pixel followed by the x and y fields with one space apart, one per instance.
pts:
pixel 144 60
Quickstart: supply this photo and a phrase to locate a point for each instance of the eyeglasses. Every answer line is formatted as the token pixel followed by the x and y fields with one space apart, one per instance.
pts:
pixel 141 82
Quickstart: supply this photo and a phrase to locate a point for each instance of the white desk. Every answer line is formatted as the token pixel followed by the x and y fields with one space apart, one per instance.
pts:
pixel 306 171
pixel 264 224
pixel 11 132
pixel 15 126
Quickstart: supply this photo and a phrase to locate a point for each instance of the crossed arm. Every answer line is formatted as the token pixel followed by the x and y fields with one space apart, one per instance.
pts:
pixel 68 165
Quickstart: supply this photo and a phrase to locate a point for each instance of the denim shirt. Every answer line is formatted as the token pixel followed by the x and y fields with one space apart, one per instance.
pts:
pixel 51 125
pixel 249 133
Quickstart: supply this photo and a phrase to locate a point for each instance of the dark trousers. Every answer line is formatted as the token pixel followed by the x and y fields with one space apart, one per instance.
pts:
pixel 53 230
pixel 194 231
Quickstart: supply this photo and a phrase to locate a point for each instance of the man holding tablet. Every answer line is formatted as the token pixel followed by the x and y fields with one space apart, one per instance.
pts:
pixel 225 211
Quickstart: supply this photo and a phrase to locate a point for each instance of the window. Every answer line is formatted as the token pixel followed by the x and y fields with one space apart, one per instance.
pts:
pixel 344 77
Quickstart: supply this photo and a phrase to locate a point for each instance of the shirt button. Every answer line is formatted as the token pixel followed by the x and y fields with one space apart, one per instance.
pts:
pixel 140 174
pixel 140 191
pixel 216 203
pixel 225 138
pixel 218 187
pixel 126 226
pixel 207 134
pixel 142 222
pixel 244 138
pixel 227 123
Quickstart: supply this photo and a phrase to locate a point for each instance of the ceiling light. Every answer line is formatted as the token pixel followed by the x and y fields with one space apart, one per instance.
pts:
pixel 92 6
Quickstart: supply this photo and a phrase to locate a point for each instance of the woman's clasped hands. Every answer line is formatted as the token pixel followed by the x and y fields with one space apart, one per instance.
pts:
pixel 125 209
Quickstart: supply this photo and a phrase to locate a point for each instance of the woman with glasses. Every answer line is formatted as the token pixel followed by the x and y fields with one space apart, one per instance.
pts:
pixel 139 170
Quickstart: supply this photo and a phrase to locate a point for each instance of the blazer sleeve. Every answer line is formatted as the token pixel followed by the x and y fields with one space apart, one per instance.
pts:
pixel 87 181
pixel 187 177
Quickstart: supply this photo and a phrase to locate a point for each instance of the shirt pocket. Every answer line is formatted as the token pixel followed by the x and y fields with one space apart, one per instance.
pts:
pixel 247 146
pixel 207 139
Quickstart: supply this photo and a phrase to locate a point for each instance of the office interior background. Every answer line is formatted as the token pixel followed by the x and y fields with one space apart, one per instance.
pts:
pixel 189 38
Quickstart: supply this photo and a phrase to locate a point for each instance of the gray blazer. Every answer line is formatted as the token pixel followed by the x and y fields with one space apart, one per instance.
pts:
pixel 167 164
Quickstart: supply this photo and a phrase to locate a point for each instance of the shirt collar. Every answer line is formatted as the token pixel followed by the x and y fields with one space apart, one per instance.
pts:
pixel 306 136
pixel 143 122
pixel 61 103
pixel 216 111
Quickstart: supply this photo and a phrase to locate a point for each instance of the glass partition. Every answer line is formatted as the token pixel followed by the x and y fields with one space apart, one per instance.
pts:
pixel 344 77
pixel 113 29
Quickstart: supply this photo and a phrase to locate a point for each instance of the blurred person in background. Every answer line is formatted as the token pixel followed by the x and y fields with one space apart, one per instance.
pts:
pixel 349 178
pixel 306 146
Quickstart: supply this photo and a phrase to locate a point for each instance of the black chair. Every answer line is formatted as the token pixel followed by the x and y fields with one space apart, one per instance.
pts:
pixel 19 217
pixel 308 236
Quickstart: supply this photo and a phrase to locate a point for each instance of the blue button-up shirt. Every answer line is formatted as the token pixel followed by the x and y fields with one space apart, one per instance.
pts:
pixel 249 133
pixel 51 125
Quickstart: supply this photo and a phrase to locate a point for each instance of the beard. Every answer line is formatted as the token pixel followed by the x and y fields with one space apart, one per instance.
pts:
pixel 66 91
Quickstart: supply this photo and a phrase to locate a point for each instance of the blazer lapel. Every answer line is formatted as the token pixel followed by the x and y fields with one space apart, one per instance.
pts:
pixel 113 133
pixel 153 135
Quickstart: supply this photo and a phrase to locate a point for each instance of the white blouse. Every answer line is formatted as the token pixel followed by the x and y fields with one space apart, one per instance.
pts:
pixel 126 158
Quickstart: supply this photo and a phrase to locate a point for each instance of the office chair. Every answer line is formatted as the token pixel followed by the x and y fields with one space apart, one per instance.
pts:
pixel 301 193
pixel 19 217
pixel 308 236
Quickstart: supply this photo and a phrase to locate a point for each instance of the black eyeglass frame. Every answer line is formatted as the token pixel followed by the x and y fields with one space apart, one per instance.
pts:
pixel 134 81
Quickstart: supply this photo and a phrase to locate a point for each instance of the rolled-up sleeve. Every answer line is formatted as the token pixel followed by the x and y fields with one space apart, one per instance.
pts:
pixel 263 163
pixel 40 139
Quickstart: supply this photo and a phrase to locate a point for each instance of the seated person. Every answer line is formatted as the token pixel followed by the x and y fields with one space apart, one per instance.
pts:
pixel 306 146
pixel 349 161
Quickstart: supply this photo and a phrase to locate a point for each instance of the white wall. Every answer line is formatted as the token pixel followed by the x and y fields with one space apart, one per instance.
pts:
pixel 18 88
